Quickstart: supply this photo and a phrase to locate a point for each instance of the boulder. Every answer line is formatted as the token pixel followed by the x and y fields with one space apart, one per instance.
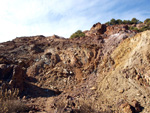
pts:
pixel 18 78
pixel 12 76
pixel 98 29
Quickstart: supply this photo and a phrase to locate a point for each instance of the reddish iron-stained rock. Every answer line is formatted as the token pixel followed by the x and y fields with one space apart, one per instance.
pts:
pixel 98 29
pixel 115 29
pixel 88 74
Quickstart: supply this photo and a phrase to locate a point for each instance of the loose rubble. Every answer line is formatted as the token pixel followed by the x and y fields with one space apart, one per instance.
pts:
pixel 105 71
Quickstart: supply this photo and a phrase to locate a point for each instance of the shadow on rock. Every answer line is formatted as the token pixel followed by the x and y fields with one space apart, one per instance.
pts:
pixel 31 79
pixel 33 91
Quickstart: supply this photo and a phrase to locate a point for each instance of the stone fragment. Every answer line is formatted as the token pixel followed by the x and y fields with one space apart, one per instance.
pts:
pixel 93 88
pixel 136 105
pixel 126 108
pixel 121 90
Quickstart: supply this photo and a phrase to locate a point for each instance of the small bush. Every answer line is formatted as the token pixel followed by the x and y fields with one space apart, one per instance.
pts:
pixel 119 21
pixel 9 102
pixel 135 21
pixel 141 29
pixel 10 106
pixel 9 94
pixel 147 22
pixel 134 28
pixel 144 28
pixel 78 33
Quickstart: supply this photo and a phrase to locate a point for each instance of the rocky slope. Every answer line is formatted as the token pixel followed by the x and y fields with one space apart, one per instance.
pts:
pixel 105 71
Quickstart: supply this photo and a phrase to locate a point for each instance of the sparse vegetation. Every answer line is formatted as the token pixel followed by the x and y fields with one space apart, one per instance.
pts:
pixel 135 21
pixel 147 22
pixel 119 21
pixel 82 108
pixel 78 33
pixel 97 73
pixel 9 102
pixel 141 29
pixel 134 28
pixel 130 22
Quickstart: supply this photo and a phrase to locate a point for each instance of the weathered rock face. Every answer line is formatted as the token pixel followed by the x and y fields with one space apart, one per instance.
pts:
pixel 127 73
pixel 98 29
pixel 136 52
pixel 105 71
pixel 116 29
pixel 120 76
pixel 12 76
pixel 64 67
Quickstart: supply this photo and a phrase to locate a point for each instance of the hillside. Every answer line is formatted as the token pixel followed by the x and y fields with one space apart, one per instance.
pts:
pixel 107 70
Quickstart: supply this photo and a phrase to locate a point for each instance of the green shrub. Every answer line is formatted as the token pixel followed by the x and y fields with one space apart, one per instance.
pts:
pixel 144 28
pixel 141 29
pixel 119 21
pixel 113 21
pixel 147 22
pixel 78 33
pixel 134 28
pixel 135 21
pixel 127 22
pixel 107 23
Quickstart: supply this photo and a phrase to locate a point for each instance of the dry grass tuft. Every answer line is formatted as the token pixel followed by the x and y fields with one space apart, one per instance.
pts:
pixel 10 102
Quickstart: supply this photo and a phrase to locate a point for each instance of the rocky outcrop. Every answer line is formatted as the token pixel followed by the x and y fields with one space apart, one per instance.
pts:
pixel 126 76
pixel 116 29
pixel 98 29
pixel 105 71
pixel 12 76
pixel 115 87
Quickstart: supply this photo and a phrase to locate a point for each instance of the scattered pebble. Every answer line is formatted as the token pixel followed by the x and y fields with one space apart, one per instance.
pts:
pixel 93 88
pixel 121 90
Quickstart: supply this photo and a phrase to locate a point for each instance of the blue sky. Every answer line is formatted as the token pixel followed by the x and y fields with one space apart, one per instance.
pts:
pixel 63 17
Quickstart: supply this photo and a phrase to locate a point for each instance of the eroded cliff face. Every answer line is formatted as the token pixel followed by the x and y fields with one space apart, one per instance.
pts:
pixel 127 81
pixel 121 82
pixel 105 71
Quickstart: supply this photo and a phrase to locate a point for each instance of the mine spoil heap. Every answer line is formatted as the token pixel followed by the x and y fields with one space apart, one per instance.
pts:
pixel 106 71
